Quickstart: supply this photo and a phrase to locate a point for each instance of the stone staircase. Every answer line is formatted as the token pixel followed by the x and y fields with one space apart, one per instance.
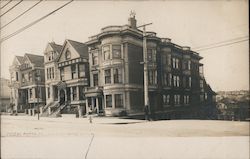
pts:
pixel 57 110
pixel 45 109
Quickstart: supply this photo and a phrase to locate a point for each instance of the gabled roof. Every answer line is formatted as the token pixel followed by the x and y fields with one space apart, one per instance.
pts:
pixel 81 48
pixel 20 59
pixel 56 47
pixel 37 60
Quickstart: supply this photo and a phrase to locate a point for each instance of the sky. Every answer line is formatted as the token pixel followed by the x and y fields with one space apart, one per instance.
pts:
pixel 187 23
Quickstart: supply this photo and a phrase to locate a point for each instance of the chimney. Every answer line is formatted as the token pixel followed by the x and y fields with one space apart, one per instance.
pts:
pixel 132 20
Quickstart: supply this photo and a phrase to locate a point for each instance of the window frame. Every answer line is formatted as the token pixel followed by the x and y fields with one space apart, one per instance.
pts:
pixel 107 78
pixel 119 101
pixel 108 100
pixel 119 48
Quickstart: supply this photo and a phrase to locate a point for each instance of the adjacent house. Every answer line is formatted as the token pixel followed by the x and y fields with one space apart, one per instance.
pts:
pixel 27 83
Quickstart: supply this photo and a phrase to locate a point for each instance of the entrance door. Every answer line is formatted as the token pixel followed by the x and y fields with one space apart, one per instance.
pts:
pixel 62 97
pixel 100 106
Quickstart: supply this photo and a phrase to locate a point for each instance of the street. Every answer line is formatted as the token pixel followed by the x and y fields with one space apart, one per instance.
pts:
pixel 24 137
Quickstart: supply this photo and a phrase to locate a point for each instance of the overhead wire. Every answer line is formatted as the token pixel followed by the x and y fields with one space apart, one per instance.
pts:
pixel 22 14
pixel 34 22
pixel 6 4
pixel 11 8
pixel 225 41
pixel 231 43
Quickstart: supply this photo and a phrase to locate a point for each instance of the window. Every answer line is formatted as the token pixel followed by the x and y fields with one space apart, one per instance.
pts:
pixel 169 59
pixel 62 74
pixel 108 101
pixel 82 70
pixel 16 76
pixel 95 58
pixel 31 93
pixel 30 76
pixel 175 62
pixel 23 79
pixel 47 70
pixel 201 97
pixel 152 77
pixel 165 78
pixel 189 65
pixel 166 99
pixel 117 75
pixel 67 55
pixel 118 101
pixel 176 99
pixel 189 82
pixel 116 50
pixel 48 90
pixel 201 84
pixel 74 94
pixel 205 96
pixel 52 73
pixel 106 52
pixel 73 71
pixel 151 55
pixel 176 81
pixel 107 75
pixel 81 93
pixel 169 79
pixel 95 79
pixel 186 99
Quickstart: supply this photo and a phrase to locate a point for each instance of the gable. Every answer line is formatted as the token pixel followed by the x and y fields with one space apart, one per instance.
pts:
pixel 26 61
pixel 67 47
pixel 48 49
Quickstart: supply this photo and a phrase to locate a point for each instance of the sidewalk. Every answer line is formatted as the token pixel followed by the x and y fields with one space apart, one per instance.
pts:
pixel 72 118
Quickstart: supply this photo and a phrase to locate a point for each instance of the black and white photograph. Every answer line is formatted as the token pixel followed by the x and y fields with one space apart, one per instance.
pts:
pixel 165 79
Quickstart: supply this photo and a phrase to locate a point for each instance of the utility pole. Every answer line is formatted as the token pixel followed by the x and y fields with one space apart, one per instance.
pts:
pixel 145 68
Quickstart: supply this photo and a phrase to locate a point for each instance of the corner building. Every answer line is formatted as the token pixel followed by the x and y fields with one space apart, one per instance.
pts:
pixel 175 75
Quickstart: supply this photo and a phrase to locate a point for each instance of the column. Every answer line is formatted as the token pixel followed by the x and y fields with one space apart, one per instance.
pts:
pixel 66 96
pixel 77 73
pixel 71 93
pixel 92 103
pixel 97 105
pixel 87 106
pixel 80 111
pixel 77 93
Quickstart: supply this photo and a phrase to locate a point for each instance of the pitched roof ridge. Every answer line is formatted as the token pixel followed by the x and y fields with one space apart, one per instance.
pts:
pixel 75 41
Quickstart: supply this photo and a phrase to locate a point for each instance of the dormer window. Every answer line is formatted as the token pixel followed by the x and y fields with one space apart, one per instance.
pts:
pixel 67 55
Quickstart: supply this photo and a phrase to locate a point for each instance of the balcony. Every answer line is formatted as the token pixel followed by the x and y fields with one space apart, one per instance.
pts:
pixel 93 91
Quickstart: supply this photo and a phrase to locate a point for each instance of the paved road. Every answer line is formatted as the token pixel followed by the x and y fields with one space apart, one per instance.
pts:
pixel 24 137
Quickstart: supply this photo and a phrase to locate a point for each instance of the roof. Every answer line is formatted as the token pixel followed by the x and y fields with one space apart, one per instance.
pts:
pixel 37 60
pixel 209 89
pixel 56 47
pixel 81 48
pixel 20 59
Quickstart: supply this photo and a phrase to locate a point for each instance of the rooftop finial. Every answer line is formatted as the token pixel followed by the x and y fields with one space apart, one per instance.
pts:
pixel 132 14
